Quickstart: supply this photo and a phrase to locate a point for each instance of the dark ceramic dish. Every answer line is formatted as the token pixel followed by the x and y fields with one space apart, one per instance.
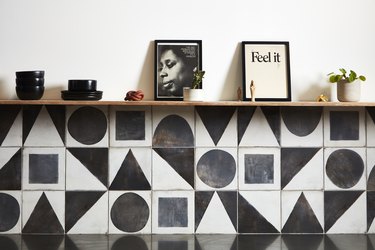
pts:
pixel 81 95
pixel 30 81
pixel 82 85
pixel 30 93
pixel 30 74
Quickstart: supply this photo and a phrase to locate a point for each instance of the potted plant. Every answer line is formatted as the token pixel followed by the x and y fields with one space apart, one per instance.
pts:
pixel 348 86
pixel 195 92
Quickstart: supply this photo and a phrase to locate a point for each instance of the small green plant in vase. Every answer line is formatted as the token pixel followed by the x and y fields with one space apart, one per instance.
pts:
pixel 348 85
pixel 195 92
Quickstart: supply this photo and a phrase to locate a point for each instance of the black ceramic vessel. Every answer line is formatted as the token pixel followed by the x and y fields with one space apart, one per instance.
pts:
pixel 82 85
pixel 30 92
pixel 30 74
pixel 30 82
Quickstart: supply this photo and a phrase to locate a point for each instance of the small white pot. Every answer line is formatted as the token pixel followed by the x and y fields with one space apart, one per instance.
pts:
pixel 193 95
pixel 349 91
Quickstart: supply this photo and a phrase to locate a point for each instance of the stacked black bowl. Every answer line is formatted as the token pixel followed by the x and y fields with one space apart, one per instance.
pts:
pixel 81 89
pixel 30 84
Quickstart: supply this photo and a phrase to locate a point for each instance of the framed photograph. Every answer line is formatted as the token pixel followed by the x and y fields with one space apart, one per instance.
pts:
pixel 266 71
pixel 175 61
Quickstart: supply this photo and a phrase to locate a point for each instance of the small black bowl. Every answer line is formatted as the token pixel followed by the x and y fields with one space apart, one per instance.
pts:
pixel 30 81
pixel 30 93
pixel 30 74
pixel 82 85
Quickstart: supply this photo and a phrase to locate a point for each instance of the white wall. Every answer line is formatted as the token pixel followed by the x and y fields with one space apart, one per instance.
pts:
pixel 112 41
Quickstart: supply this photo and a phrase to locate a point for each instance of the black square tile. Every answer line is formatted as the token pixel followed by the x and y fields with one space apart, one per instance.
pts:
pixel 43 168
pixel 259 168
pixel 130 125
pixel 173 212
pixel 344 125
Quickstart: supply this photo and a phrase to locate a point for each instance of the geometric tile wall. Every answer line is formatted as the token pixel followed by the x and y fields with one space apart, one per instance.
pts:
pixel 186 170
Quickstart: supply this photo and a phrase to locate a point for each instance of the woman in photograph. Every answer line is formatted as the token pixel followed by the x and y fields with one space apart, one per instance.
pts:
pixel 175 69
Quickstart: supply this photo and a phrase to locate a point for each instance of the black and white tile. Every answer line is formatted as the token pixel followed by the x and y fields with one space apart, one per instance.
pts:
pixel 259 168
pixel 249 122
pixel 130 126
pixel 370 126
pixel 173 127
pixel 87 126
pixel 130 169
pixel 216 169
pixel 43 212
pixel 370 153
pixel 129 212
pixel 10 126
pixel 10 168
pixel 215 126
pixel 43 168
pixel 345 168
pixel 370 211
pixel 344 127
pixel 302 212
pixel 302 127
pixel 173 212
pixel 10 212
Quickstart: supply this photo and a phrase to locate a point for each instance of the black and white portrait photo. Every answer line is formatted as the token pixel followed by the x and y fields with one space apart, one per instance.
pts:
pixel 175 62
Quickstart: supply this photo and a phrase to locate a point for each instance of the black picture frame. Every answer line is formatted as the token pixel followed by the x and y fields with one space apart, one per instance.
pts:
pixel 178 74
pixel 267 64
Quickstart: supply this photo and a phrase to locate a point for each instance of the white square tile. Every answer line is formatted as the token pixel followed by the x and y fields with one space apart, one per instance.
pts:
pixel 344 127
pixel 259 168
pixel 130 212
pixel 87 126
pixel 345 168
pixel 43 169
pixel 173 212
pixel 216 169
pixel 130 126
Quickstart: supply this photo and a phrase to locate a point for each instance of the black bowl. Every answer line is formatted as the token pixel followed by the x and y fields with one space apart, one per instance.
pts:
pixel 30 74
pixel 82 85
pixel 30 81
pixel 30 93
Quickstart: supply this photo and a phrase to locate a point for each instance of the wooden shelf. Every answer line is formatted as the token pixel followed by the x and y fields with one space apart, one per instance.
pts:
pixel 183 103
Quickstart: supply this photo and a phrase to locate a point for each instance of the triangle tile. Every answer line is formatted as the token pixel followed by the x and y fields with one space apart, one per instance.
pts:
pixel 181 160
pixel 302 219
pixel 164 177
pixel 43 132
pixel 95 160
pixel 273 117
pixel 371 112
pixel 8 115
pixel 216 120
pixel 57 114
pixel 370 209
pixel 216 218
pixel 76 172
pixel 14 136
pixel 10 173
pixel 244 117
pixel 45 242
pixel 43 219
pixel 202 199
pixel 229 200
pixel 293 160
pixel 77 203
pixel 95 220
pixel 336 203
pixel 310 177
pixel 130 176
pixel 250 220
pixel 30 113
pixel 252 137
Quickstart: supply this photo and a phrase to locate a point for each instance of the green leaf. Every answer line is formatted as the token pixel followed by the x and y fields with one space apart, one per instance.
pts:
pixel 352 77
pixel 362 78
pixel 332 78
pixel 343 71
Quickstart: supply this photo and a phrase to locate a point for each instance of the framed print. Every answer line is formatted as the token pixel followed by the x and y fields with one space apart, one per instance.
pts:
pixel 266 71
pixel 175 61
